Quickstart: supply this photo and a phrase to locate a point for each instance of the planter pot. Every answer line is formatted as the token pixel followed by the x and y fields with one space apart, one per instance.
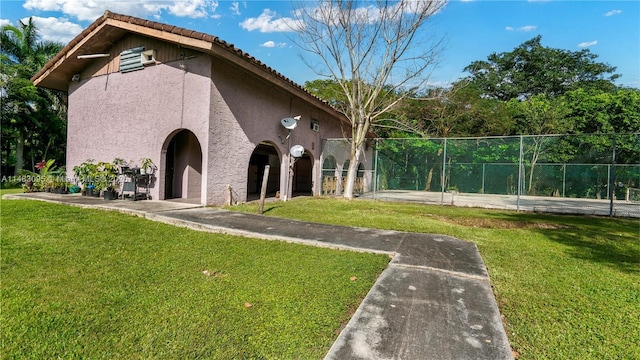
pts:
pixel 96 193
pixel 83 192
pixel 89 192
pixel 110 194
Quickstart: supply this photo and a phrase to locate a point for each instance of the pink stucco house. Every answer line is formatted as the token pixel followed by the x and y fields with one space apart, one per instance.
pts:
pixel 206 113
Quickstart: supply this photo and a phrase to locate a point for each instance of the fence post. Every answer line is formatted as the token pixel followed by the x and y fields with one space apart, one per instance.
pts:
pixel 263 189
pixel 375 171
pixel 519 176
pixel 444 168
pixel 483 170
pixel 564 179
pixel 612 176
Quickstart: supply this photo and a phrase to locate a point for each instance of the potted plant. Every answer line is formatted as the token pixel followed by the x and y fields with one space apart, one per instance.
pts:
pixel 147 166
pixel 89 191
pixel 105 177
pixel 110 192
pixel 83 173
pixel 59 181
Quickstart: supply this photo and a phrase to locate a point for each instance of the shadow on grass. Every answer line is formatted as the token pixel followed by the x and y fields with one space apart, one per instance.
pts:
pixel 611 242
pixel 270 207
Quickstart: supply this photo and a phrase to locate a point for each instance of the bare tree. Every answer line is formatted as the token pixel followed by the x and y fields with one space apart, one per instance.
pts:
pixel 377 51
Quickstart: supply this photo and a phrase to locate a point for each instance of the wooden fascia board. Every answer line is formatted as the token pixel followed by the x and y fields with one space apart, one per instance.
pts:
pixel 186 41
pixel 70 53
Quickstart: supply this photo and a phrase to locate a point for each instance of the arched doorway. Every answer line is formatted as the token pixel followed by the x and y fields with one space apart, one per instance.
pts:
pixel 303 176
pixel 183 166
pixel 264 154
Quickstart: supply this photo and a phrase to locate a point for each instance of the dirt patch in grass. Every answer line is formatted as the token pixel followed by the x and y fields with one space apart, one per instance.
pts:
pixel 485 223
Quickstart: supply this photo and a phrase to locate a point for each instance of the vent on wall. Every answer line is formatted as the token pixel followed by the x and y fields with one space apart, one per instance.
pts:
pixel 136 59
pixel 130 60
pixel 315 125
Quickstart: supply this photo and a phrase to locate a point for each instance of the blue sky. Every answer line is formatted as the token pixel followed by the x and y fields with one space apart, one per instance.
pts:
pixel 471 29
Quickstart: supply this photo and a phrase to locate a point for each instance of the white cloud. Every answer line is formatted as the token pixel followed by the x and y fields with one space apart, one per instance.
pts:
pixel 193 8
pixel 4 22
pixel 613 12
pixel 46 5
pixel 55 29
pixel 267 22
pixel 89 10
pixel 273 44
pixel 525 28
pixel 588 43
pixel 235 8
pixel 528 28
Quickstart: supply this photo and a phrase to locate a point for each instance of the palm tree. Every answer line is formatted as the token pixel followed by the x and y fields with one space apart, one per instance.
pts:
pixel 28 113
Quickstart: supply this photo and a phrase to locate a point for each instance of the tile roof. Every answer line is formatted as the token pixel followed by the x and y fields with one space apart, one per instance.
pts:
pixel 111 19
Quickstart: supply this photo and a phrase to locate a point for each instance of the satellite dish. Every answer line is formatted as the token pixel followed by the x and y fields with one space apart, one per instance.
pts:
pixel 296 151
pixel 289 123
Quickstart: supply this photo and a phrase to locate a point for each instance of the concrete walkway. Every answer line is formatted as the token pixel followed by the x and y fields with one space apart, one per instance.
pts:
pixel 434 301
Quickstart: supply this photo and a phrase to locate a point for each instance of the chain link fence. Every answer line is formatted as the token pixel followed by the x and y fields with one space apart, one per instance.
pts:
pixel 595 173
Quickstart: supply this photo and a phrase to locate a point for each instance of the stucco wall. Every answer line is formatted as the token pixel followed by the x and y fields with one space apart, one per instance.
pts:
pixel 130 115
pixel 135 115
pixel 246 111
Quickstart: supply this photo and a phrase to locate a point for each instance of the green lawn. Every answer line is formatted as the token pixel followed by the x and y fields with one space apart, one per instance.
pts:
pixel 91 284
pixel 568 286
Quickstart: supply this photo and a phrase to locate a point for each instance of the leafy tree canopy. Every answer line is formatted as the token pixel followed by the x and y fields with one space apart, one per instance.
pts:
pixel 532 69
pixel 33 119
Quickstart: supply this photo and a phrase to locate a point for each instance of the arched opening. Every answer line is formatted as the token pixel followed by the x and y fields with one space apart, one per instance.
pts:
pixel 343 176
pixel 183 166
pixel 329 166
pixel 358 186
pixel 303 176
pixel 329 179
pixel 264 154
pixel 345 169
pixel 360 173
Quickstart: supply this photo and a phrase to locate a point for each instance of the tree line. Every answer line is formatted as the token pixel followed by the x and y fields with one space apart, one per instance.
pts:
pixel 531 90
pixel 33 119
